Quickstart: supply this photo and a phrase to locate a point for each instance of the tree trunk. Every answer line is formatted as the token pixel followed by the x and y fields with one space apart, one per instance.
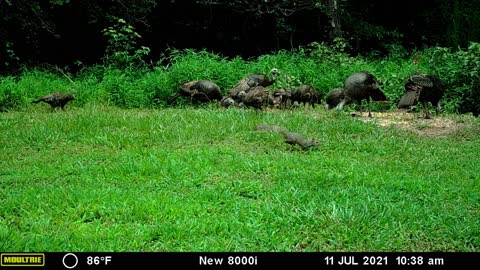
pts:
pixel 333 12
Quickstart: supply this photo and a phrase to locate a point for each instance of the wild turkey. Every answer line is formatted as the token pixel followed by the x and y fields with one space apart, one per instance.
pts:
pixel 227 102
pixel 306 94
pixel 200 90
pixel 57 99
pixel 257 97
pixel 274 100
pixel 251 81
pixel 334 97
pixel 264 80
pixel 283 96
pixel 422 88
pixel 230 102
pixel 359 86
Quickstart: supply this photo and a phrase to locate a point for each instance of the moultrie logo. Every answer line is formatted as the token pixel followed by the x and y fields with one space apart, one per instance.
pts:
pixel 22 259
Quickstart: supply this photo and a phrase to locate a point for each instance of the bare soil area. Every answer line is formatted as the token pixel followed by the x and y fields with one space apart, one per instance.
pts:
pixel 437 126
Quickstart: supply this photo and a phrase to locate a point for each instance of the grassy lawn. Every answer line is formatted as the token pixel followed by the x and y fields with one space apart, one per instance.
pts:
pixel 201 179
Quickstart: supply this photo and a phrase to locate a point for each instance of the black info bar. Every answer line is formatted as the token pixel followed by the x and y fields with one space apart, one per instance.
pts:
pixel 241 260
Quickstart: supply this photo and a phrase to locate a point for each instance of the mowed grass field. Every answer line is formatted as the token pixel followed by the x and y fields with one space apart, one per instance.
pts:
pixel 99 178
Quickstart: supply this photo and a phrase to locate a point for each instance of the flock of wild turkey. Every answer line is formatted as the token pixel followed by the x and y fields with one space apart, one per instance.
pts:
pixel 251 92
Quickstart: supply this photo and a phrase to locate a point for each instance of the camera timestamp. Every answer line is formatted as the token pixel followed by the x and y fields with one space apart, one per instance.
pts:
pixel 398 260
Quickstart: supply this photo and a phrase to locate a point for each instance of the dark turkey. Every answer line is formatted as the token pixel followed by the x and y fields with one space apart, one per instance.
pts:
pixel 422 88
pixel 251 81
pixel 306 94
pixel 359 86
pixel 57 99
pixel 274 101
pixel 200 90
pixel 281 97
pixel 227 102
pixel 334 97
pixel 262 79
pixel 257 97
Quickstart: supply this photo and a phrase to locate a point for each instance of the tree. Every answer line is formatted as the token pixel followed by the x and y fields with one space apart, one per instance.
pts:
pixel 334 11
pixel 35 31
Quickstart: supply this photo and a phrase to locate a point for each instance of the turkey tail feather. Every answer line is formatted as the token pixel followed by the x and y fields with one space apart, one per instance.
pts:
pixel 408 99
pixel 422 80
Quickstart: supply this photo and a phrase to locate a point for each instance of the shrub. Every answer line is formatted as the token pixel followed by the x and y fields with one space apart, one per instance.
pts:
pixel 459 71
pixel 324 67
pixel 122 51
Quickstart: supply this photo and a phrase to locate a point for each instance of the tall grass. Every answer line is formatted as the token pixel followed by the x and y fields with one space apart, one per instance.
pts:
pixel 320 66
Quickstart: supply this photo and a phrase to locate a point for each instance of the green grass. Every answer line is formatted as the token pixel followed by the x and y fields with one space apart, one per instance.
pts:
pixel 100 178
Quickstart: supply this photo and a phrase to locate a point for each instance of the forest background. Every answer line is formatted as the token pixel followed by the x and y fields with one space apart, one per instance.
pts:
pixel 100 39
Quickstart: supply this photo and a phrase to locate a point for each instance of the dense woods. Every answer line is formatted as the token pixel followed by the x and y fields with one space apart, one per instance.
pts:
pixel 63 32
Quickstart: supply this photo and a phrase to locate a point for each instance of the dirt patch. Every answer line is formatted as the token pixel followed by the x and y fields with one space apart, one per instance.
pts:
pixel 437 126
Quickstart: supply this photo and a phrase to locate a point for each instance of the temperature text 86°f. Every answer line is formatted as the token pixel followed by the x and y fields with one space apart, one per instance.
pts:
pixel 99 260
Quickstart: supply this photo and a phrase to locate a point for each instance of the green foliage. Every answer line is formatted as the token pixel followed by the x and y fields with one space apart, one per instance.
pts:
pixel 126 92
pixel 18 91
pixel 459 71
pixel 365 30
pixel 59 2
pixel 11 58
pixel 10 94
pixel 189 65
pixel 122 51
pixel 366 25
pixel 471 77
pixel 361 30
pixel 460 20
pixel 322 66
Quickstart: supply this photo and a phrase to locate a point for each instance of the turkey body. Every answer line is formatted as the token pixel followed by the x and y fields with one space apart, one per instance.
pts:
pixel 262 79
pixel 280 98
pixel 200 90
pixel 250 81
pixel 334 97
pixel 257 97
pixel 359 86
pixel 422 88
pixel 306 94
pixel 57 99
